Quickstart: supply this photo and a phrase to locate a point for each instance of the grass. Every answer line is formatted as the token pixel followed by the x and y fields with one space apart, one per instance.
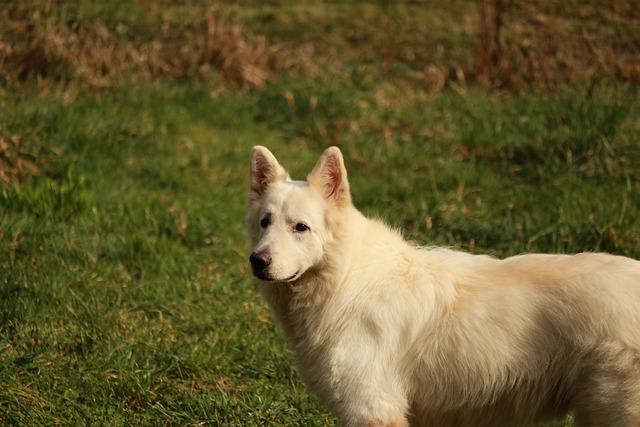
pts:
pixel 124 292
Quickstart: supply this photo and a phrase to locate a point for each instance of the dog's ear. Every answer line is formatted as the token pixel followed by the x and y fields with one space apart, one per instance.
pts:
pixel 329 176
pixel 263 171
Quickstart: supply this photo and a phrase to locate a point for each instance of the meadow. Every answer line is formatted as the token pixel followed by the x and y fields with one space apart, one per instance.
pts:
pixel 125 129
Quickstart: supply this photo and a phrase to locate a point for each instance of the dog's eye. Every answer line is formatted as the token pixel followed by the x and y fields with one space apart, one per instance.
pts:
pixel 264 222
pixel 301 227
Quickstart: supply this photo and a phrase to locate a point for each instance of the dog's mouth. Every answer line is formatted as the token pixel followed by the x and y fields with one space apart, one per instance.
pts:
pixel 293 277
pixel 265 276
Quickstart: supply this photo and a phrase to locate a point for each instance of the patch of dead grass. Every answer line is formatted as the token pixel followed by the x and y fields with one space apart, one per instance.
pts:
pixel 496 43
pixel 15 164
pixel 91 53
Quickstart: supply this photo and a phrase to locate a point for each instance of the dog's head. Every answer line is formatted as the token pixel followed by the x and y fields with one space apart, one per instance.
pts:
pixel 287 219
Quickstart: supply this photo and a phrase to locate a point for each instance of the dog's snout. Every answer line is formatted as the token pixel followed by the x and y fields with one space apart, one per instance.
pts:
pixel 260 260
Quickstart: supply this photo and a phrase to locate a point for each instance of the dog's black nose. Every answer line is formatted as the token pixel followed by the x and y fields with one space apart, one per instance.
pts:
pixel 260 260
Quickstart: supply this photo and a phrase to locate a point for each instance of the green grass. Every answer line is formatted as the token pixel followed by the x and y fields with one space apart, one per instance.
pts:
pixel 125 297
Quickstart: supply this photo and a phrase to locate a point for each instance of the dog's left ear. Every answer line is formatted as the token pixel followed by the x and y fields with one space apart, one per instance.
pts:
pixel 264 170
pixel 329 176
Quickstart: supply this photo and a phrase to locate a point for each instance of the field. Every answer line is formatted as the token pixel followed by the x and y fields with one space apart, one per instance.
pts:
pixel 125 128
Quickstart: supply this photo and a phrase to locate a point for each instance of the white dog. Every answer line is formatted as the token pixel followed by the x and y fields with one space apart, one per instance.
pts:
pixel 388 334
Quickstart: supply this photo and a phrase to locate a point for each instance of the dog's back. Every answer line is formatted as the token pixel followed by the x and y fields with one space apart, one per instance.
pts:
pixel 529 338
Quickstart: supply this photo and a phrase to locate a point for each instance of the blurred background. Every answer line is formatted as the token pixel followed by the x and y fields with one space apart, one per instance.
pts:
pixel 498 44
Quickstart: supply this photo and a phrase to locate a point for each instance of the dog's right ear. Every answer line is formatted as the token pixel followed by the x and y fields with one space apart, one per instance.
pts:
pixel 264 170
pixel 329 176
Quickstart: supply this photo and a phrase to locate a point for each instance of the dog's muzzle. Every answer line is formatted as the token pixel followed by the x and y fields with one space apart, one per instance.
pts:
pixel 260 262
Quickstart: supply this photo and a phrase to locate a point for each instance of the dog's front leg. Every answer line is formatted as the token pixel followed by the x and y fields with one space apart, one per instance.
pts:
pixel 367 387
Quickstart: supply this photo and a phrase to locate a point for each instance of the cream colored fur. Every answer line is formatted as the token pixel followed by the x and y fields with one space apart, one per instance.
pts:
pixel 389 334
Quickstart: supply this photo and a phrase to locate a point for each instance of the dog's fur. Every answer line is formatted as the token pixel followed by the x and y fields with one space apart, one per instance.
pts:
pixel 388 334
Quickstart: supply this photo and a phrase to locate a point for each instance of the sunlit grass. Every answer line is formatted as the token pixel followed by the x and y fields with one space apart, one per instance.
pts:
pixel 124 291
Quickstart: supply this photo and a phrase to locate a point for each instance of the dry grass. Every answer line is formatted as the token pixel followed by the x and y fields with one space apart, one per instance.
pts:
pixel 519 45
pixel 89 52
pixel 505 43
pixel 225 46
pixel 15 164
pixel 535 44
